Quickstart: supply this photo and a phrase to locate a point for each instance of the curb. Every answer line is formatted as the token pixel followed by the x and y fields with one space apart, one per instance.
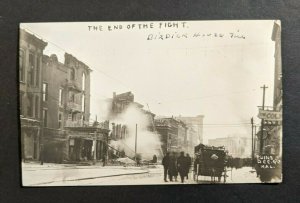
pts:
pixel 88 178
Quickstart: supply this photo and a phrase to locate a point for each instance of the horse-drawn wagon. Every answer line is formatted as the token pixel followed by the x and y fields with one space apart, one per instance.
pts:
pixel 210 161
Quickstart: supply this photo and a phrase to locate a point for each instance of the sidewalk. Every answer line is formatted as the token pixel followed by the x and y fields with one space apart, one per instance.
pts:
pixel 34 174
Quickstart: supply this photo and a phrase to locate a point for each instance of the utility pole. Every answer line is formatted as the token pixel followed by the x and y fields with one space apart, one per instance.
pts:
pixel 262 122
pixel 135 140
pixel 254 145
pixel 107 146
pixel 135 147
pixel 95 147
pixel 252 152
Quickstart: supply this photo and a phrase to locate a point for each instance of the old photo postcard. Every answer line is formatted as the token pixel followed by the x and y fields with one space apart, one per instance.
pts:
pixel 150 102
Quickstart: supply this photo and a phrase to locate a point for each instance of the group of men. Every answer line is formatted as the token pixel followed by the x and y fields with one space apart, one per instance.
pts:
pixel 174 165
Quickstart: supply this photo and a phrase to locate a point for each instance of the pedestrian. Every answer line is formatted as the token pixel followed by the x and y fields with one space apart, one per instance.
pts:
pixel 138 159
pixel 182 164
pixel 197 168
pixel 165 163
pixel 154 159
pixel 189 163
pixel 176 168
pixel 172 168
pixel 104 160
pixel 42 153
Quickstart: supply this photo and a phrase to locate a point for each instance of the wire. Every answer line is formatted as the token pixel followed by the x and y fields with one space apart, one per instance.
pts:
pixel 100 71
pixel 56 45
pixel 204 97
pixel 125 85
pixel 167 101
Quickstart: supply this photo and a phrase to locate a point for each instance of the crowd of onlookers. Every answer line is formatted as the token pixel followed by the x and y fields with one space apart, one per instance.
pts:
pixel 176 165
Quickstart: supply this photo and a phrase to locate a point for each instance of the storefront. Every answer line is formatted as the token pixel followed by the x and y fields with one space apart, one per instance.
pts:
pixel 272 132
pixel 30 135
pixel 53 145
pixel 87 143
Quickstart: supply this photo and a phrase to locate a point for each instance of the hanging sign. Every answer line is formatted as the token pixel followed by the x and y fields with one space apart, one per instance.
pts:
pixel 270 115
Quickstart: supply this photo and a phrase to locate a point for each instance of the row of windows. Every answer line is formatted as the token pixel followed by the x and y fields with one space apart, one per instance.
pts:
pixel 45 118
pixel 60 96
pixel 72 77
pixel 60 118
pixel 32 107
pixel 33 72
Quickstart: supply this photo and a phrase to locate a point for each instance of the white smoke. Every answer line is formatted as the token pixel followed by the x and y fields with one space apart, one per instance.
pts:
pixel 148 143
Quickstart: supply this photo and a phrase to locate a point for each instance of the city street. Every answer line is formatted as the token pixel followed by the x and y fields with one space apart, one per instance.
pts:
pixel 72 175
pixel 183 107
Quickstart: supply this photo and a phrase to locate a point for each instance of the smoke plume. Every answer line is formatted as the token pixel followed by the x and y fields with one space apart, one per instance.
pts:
pixel 148 143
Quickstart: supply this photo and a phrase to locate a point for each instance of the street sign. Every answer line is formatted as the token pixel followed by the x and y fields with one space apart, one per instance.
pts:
pixel 270 115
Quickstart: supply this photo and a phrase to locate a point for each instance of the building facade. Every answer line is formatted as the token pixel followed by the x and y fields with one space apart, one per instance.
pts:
pixel 194 131
pixel 30 76
pixel 237 146
pixel 173 134
pixel 277 100
pixel 66 92
pixel 272 116
pixel 67 134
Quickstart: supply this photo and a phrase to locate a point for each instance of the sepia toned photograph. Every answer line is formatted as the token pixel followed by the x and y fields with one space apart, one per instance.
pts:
pixel 150 103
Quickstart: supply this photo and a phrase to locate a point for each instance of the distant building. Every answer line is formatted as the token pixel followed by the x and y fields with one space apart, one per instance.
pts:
pixel 194 131
pixel 237 146
pixel 173 134
pixel 30 77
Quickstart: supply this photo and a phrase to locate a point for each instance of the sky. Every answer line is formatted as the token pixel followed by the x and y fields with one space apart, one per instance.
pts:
pixel 187 68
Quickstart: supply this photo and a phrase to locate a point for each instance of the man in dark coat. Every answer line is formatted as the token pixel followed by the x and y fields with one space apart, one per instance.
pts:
pixel 104 160
pixel 165 163
pixel 189 163
pixel 172 168
pixel 182 164
pixel 154 159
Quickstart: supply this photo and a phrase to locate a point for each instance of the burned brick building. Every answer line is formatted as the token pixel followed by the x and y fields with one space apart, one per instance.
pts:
pixel 119 104
pixel 68 135
pixel 30 79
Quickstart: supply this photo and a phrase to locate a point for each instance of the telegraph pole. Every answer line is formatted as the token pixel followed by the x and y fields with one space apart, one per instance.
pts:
pixel 254 145
pixel 135 147
pixel 252 150
pixel 262 122
pixel 135 140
